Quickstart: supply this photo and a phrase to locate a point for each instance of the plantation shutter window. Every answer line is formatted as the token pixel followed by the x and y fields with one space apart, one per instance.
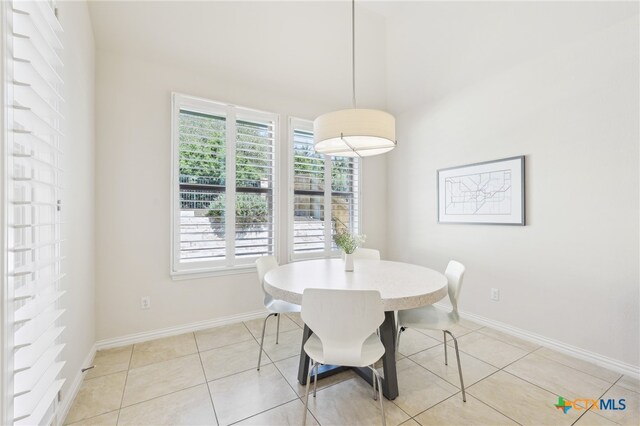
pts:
pixel 33 216
pixel 308 195
pixel 325 195
pixel 224 169
pixel 202 186
pixel 344 195
pixel 254 227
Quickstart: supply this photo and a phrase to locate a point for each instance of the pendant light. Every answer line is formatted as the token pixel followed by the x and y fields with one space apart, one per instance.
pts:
pixel 354 132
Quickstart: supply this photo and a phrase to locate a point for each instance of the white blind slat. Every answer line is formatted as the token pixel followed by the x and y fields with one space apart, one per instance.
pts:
pixel 24 94
pixel 26 404
pixel 26 119
pixel 43 18
pixel 30 182
pixel 32 308
pixel 26 74
pixel 35 246
pixel 27 379
pixel 48 13
pixel 35 266
pixel 28 355
pixel 40 285
pixel 36 147
pixel 25 50
pixel 43 410
pixel 24 26
pixel 31 331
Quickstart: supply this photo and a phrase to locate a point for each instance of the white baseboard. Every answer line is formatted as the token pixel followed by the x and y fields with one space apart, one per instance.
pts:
pixel 65 405
pixel 592 357
pixel 172 331
pixel 595 358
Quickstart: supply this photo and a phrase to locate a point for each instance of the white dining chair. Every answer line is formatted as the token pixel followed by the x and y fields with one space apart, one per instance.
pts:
pixel 365 253
pixel 275 307
pixel 343 324
pixel 432 318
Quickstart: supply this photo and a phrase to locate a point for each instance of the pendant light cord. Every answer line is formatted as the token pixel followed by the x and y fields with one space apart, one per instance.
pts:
pixel 353 51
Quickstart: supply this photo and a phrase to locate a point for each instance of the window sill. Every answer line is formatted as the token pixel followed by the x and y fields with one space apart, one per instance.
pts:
pixel 207 273
pixel 334 254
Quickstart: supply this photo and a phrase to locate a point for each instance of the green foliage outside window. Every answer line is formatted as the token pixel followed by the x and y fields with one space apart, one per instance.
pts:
pixel 309 167
pixel 202 149
pixel 253 155
pixel 341 174
pixel 251 210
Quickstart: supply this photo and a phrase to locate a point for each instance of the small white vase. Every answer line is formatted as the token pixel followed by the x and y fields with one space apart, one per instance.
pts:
pixel 348 262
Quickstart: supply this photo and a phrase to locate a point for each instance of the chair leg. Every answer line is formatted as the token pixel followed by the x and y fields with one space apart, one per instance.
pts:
pixel 306 394
pixel 400 330
pixel 264 326
pixel 374 381
pixel 455 344
pixel 444 332
pixel 315 379
pixel 379 381
pixel 277 328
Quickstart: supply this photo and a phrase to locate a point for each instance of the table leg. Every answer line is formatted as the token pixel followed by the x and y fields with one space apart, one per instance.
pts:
pixel 388 338
pixel 303 368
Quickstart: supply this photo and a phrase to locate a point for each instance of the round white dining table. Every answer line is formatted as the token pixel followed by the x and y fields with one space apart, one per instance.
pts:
pixel 401 286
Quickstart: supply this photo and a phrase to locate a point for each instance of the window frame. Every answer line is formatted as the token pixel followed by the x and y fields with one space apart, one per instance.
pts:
pixel 307 125
pixel 228 265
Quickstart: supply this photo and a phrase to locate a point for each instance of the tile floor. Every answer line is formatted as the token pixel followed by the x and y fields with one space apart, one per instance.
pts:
pixel 210 378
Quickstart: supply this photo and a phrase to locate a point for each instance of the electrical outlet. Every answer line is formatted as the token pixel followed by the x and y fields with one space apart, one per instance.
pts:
pixel 495 294
pixel 145 302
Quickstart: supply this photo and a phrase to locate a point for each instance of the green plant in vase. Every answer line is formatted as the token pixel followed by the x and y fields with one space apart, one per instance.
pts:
pixel 348 243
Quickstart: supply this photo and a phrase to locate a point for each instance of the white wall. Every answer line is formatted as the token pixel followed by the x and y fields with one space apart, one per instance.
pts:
pixel 295 49
pixel 78 197
pixel 133 195
pixel 571 274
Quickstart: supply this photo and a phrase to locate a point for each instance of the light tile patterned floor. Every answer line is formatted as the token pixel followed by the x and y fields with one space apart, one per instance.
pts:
pixel 210 378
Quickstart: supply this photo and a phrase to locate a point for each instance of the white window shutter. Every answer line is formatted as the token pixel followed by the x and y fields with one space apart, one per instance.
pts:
pixel 254 171
pixel 345 190
pixel 308 195
pixel 325 195
pixel 202 150
pixel 33 225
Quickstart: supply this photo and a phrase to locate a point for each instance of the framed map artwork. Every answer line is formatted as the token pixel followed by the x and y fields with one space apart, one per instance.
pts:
pixel 483 193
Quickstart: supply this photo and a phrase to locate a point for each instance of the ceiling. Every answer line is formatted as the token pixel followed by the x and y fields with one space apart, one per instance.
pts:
pixel 408 53
pixel 435 49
